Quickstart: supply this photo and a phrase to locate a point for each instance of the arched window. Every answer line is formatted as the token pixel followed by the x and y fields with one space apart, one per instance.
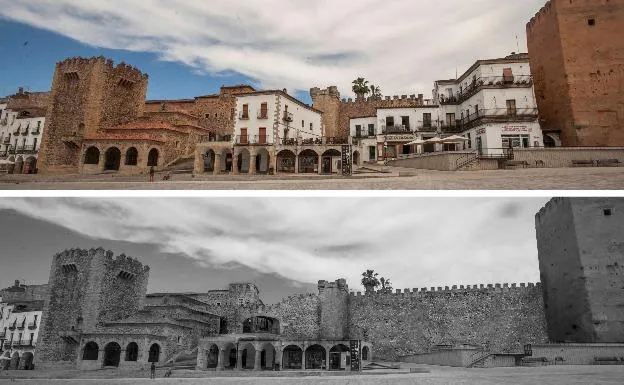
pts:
pixel 132 351
pixel 152 157
pixel 91 352
pixel 132 157
pixel 92 156
pixel 154 353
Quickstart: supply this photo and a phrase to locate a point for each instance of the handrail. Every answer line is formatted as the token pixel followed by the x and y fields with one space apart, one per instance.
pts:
pixel 478 356
pixel 465 160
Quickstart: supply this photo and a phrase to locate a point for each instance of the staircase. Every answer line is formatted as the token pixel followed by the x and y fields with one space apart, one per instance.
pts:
pixel 479 360
pixel 467 161
pixel 183 359
pixel 184 163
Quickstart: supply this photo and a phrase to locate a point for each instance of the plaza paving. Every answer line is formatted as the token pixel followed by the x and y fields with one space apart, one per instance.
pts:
pixel 589 178
pixel 564 375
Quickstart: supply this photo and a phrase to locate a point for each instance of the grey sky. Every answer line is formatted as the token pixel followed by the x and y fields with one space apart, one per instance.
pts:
pixel 284 244
pixel 401 45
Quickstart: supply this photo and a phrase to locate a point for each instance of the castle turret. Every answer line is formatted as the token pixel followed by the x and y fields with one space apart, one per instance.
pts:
pixel 87 288
pixel 327 101
pixel 87 96
pixel 334 308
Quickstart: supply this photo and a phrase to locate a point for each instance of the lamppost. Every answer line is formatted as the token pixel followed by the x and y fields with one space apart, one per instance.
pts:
pixel 385 152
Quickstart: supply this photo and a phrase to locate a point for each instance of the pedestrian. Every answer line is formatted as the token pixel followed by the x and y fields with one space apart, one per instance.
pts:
pixel 151 174
pixel 153 371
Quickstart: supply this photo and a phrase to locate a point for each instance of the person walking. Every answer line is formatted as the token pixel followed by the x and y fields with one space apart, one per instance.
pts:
pixel 151 174
pixel 153 371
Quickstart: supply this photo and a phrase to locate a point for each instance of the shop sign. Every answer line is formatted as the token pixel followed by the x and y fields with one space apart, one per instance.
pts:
pixel 346 160
pixel 400 138
pixel 354 348
pixel 517 129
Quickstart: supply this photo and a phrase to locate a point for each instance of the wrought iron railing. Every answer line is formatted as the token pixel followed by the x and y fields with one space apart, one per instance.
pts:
pixel 513 81
pixel 243 115
pixel 396 129
pixel 263 114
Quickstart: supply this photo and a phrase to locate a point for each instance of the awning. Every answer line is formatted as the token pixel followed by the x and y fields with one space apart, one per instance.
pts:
pixel 415 142
pixel 434 140
pixel 455 139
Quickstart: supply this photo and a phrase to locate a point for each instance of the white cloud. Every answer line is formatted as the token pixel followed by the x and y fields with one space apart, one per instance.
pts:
pixel 401 45
pixel 416 242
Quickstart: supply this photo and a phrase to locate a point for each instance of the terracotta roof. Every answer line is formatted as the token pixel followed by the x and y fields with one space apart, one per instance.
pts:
pixel 151 138
pixel 150 125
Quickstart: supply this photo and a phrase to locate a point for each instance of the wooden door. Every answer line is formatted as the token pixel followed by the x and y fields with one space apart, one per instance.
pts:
pixel 243 136
pixel 262 139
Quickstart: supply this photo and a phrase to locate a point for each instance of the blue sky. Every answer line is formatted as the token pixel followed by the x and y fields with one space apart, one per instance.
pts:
pixel 33 53
pixel 191 47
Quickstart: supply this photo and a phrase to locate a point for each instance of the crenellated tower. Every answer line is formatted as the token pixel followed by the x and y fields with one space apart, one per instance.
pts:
pixel 87 288
pixel 87 97
pixel 328 101
pixel 334 309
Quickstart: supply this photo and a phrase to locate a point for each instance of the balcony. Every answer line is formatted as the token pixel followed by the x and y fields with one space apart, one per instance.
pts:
pixel 16 131
pixel 396 129
pixel 243 115
pixel 36 131
pixel 288 117
pixel 6 140
pixel 32 325
pixel 3 153
pixel 512 81
pixel 22 325
pixel 263 115
pixel 13 325
pixel 255 139
pixel 11 150
pixel 23 344
pixel 20 149
pixel 25 132
pixel 7 344
pixel 70 336
pixel 451 128
pixel 498 115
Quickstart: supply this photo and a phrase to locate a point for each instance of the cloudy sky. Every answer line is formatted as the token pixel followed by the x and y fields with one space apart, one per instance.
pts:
pixel 284 244
pixel 401 45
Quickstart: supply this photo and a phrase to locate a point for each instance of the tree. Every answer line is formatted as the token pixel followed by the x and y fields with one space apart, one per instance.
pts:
pixel 386 285
pixel 370 280
pixel 360 87
pixel 375 92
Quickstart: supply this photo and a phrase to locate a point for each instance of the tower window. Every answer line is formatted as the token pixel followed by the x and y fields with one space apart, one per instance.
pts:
pixel 607 212
pixel 591 21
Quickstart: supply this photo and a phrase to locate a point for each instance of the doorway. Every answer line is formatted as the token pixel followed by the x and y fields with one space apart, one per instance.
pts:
pixel 327 165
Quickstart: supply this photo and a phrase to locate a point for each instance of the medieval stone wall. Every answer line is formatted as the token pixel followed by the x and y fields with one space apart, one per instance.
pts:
pixel 299 316
pixel 28 100
pixel 27 293
pixel 334 309
pixel 503 318
pixel 578 68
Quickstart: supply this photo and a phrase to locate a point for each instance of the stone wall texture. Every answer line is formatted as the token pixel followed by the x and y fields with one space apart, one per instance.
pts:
pixel 578 69
pixel 502 318
pixel 299 316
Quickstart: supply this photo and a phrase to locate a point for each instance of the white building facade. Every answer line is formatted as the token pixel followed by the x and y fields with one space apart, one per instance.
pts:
pixel 19 331
pixel 492 105
pixel 21 131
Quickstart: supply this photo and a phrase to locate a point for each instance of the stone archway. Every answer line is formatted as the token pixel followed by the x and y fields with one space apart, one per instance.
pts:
pixel 154 353
pixel 152 158
pixel 92 155
pixel 366 353
pixel 26 361
pixel 112 354
pixel 30 165
pixel 315 357
pixel 15 360
pixel 90 352
pixel 267 357
pixel 212 358
pixel 248 356
pixel 292 357
pixel 19 165
pixel 132 352
pixel 209 161
pixel 229 356
pixel 112 159
pixel 132 157
pixel 356 158
pixel 308 162
pixel 286 161
pixel 243 161
pixel 262 161
pixel 227 160
pixel 335 357
pixel 327 160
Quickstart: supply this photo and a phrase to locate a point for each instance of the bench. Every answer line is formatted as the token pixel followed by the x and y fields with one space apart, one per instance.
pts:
pixel 540 163
pixel 583 162
pixel 514 163
pixel 607 163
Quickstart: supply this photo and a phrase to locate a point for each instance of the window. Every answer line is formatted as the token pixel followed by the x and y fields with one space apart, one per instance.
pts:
pixel 371 130
pixel 39 124
pixel 427 120
pixel 508 75
pixel 35 144
pixel 263 111
pixel 511 107
pixel 358 131
pixel 245 114
pixel 607 212
pixel 311 126
pixel 405 121
pixel 302 124
pixel 450 119
pixel 389 121
pixel 372 152
pixel 241 302
pixel 591 21
pixel 218 303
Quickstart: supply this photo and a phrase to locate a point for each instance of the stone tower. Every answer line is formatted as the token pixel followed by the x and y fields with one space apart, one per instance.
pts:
pixel 86 288
pixel 328 101
pixel 578 69
pixel 334 309
pixel 87 97
pixel 580 243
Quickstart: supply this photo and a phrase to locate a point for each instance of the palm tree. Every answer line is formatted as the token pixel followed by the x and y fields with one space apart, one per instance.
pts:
pixel 386 285
pixel 360 87
pixel 375 92
pixel 369 280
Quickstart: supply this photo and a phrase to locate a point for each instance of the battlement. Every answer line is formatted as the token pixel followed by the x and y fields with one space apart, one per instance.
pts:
pixel 552 204
pixel 71 256
pixel 340 284
pixel 461 289
pixel 331 91
pixel 396 101
pixel 74 64
pixel 543 12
